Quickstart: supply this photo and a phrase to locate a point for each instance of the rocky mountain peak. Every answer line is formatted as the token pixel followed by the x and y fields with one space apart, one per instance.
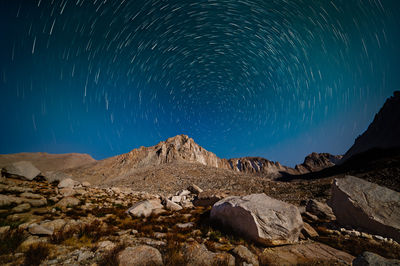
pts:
pixel 317 161
pixel 383 132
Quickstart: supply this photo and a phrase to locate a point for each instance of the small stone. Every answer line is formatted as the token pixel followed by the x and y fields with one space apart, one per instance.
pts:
pixel 106 245
pixel 183 193
pixel 68 202
pixel 36 229
pixel 195 189
pixel 309 231
pixel 185 225
pixel 85 184
pixel 83 256
pixel 176 199
pixel 172 206
pixel 68 182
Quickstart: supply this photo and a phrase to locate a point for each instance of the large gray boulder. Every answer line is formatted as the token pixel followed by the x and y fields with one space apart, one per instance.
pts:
pixel 22 169
pixel 260 218
pixel 361 204
pixel 369 258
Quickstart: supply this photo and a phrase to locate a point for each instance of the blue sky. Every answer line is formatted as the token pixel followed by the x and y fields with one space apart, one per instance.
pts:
pixel 278 79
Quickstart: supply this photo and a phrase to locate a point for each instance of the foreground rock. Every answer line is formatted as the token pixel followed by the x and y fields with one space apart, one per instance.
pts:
pixel 321 210
pixel 365 205
pixel 369 258
pixel 22 169
pixel 305 254
pixel 144 208
pixel 140 255
pixel 196 254
pixel 260 218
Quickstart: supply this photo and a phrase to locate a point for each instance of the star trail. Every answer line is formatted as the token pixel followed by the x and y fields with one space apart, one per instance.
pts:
pixel 274 78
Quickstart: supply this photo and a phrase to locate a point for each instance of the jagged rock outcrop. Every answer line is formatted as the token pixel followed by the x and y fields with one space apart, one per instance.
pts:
pixel 22 169
pixel 260 218
pixel 178 149
pixel 258 165
pixel 383 132
pixel 315 162
pixel 361 204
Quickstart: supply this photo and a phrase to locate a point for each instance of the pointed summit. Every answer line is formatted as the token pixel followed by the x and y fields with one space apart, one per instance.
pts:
pixel 383 132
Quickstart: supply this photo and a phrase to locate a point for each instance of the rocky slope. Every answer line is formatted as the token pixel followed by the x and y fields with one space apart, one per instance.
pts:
pixel 258 165
pixel 383 132
pixel 179 151
pixel 47 162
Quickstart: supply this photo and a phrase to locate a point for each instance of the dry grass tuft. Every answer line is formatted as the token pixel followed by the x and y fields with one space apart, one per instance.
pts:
pixel 36 254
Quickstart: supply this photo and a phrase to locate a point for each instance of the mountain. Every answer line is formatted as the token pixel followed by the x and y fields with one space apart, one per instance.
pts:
pixel 258 165
pixel 48 162
pixel 182 151
pixel 315 162
pixel 176 150
pixel 383 132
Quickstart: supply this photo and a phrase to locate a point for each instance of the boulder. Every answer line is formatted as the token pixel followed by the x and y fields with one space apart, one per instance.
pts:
pixel 260 218
pixel 36 229
pixel 68 202
pixel 246 255
pixel 196 254
pixel 30 195
pixel 68 192
pixel 53 176
pixel 361 204
pixel 144 208
pixel 172 206
pixel 195 189
pixel 6 200
pixel 369 258
pixel 85 184
pixel 22 208
pixel 22 169
pixel 55 225
pixel 140 255
pixel 208 198
pixel 319 209
pixel 183 193
pixel 68 183
pixel 305 254
pixel 36 202
pixel 176 199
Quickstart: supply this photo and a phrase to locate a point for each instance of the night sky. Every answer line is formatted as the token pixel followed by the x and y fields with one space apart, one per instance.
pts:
pixel 271 78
